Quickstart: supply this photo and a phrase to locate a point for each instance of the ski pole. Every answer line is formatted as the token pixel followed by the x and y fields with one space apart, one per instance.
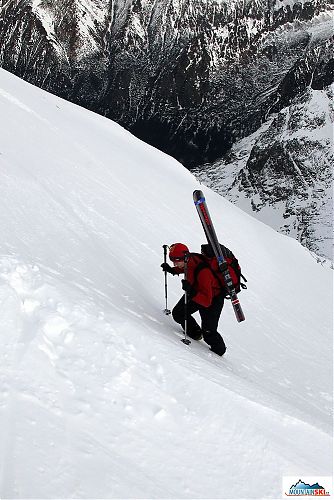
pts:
pixel 185 340
pixel 166 310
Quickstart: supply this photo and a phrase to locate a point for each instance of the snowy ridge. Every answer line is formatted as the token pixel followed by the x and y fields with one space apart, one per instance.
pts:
pixel 99 398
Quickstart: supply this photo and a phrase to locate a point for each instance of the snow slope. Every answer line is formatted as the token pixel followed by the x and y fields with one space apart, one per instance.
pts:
pixel 98 397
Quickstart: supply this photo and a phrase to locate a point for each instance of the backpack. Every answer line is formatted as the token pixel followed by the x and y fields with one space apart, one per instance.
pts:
pixel 208 259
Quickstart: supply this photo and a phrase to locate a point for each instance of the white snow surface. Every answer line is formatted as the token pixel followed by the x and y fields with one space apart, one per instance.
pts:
pixel 98 396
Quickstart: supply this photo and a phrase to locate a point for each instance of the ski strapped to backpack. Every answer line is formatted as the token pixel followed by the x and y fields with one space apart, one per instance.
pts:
pixel 232 264
pixel 207 260
pixel 212 239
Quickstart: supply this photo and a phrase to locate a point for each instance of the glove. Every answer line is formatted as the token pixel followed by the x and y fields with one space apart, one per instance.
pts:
pixel 167 268
pixel 186 286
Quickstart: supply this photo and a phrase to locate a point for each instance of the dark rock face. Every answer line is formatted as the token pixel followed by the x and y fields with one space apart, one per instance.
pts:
pixel 188 76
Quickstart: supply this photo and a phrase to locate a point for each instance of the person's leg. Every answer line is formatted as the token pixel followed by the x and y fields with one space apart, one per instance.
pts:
pixel 210 318
pixel 193 329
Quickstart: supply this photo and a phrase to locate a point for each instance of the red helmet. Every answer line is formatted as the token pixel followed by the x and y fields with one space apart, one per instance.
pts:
pixel 177 251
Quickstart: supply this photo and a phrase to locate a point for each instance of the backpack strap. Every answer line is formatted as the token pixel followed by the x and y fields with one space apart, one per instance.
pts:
pixel 202 265
pixel 205 265
pixel 242 285
pixel 236 267
pixel 198 269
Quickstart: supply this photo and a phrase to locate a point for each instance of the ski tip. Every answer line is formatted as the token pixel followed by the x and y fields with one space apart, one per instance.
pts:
pixel 197 194
pixel 198 197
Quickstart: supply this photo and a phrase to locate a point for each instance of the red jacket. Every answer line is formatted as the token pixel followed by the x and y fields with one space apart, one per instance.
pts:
pixel 205 283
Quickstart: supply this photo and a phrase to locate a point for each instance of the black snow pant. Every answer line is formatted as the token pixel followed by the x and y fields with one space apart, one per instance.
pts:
pixel 209 318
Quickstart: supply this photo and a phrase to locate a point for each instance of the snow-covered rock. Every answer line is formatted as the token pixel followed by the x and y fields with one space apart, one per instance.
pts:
pixel 283 173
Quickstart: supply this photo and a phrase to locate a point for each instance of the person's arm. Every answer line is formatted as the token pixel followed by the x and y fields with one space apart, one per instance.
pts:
pixel 172 270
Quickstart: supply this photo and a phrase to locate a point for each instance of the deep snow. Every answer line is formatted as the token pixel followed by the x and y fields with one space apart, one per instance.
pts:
pixel 98 397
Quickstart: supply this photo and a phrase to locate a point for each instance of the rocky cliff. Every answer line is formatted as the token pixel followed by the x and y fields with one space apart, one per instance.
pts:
pixel 188 76
pixel 283 173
